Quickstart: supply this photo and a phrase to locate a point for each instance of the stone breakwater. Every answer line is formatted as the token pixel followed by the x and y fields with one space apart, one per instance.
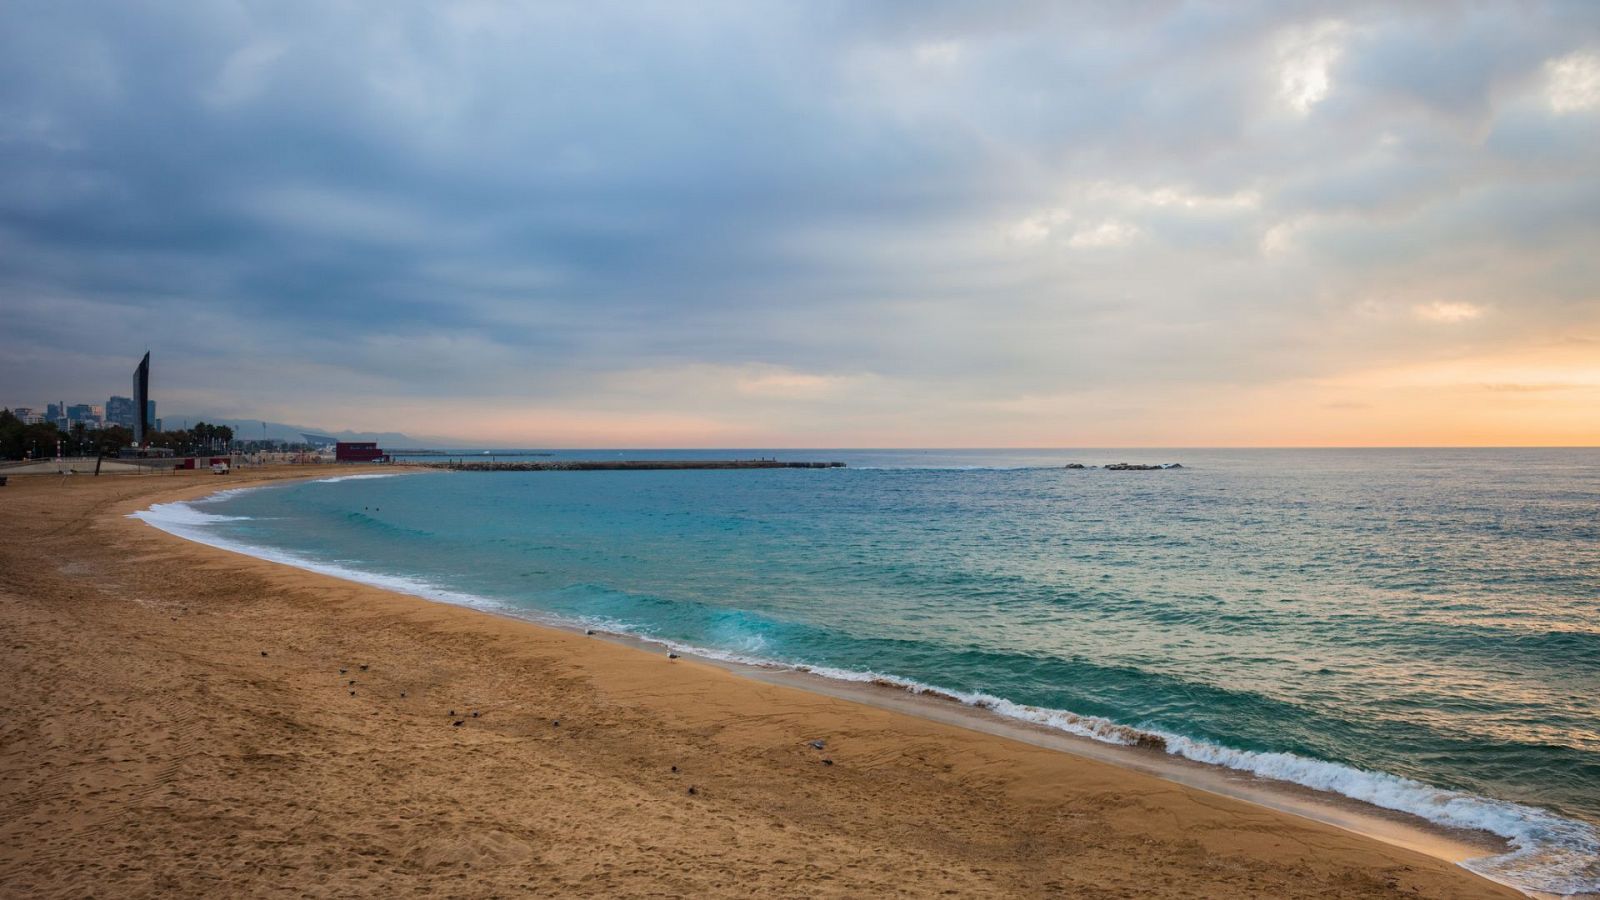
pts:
pixel 584 465
pixel 1127 467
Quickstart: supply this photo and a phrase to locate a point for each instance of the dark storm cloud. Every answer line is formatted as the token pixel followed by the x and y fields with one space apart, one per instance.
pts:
pixel 588 205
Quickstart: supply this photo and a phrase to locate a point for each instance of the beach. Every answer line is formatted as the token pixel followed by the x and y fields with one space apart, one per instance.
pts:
pixel 176 723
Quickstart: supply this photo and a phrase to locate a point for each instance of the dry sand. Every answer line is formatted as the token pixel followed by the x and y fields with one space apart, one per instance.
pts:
pixel 174 722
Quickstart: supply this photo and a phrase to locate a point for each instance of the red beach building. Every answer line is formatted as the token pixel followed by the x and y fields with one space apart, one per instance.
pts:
pixel 358 451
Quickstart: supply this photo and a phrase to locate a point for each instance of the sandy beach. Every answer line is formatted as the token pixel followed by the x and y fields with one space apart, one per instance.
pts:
pixel 178 720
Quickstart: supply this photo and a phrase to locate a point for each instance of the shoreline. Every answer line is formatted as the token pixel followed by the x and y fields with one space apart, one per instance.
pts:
pixel 909 716
pixel 1456 845
pixel 1394 827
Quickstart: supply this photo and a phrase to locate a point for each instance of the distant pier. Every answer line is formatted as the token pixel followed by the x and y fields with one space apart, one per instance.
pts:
pixel 606 465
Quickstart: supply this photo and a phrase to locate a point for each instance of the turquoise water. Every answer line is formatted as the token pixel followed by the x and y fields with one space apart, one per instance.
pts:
pixel 1417 629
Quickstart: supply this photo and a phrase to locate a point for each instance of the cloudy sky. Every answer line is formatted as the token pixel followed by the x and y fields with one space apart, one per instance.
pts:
pixel 813 224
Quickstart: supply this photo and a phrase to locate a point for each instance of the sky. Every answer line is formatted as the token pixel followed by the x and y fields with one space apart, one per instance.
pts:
pixel 812 224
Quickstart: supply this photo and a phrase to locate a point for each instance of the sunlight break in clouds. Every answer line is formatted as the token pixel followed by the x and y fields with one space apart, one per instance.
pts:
pixel 1442 311
pixel 1110 233
pixel 1574 82
pixel 1037 229
pixel 1305 56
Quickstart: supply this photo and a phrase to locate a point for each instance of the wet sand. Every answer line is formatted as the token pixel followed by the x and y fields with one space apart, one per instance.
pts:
pixel 174 722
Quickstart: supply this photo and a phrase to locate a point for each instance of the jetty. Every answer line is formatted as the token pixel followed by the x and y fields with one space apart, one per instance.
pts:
pixel 610 465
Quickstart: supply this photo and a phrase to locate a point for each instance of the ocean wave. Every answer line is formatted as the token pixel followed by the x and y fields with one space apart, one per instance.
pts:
pixel 337 478
pixel 184 521
pixel 1548 853
pixel 181 515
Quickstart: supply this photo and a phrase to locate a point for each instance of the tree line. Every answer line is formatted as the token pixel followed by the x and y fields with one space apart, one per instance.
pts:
pixel 38 441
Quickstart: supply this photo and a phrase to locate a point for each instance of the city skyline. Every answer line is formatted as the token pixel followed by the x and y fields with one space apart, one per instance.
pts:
pixel 116 411
pixel 1021 225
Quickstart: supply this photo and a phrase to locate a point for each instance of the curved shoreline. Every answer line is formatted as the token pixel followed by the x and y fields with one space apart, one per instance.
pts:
pixel 1457 845
pixel 177 722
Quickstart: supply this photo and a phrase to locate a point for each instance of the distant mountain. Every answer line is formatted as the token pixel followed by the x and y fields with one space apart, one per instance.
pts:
pixel 256 430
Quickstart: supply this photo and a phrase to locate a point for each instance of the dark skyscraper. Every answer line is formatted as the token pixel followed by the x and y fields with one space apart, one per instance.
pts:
pixel 141 400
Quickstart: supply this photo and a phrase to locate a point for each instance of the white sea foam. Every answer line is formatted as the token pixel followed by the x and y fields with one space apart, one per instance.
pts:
pixel 187 522
pixel 1548 853
pixel 363 477
pixel 181 515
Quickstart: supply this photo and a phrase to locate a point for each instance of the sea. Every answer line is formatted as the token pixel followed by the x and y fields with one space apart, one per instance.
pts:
pixel 1414 629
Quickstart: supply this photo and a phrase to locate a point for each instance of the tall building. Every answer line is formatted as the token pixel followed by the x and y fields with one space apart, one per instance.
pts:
pixel 54 411
pixel 144 407
pixel 119 411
